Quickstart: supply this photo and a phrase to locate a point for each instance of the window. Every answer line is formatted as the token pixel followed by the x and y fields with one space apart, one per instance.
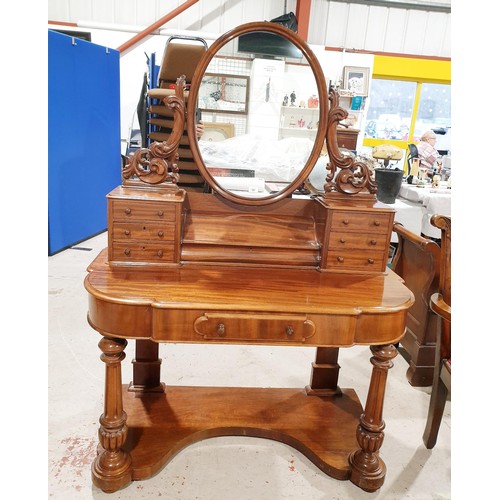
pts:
pixel 390 111
pixel 404 110
pixel 434 110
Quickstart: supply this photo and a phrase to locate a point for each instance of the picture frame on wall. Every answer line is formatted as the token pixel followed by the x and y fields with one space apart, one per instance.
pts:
pixel 224 93
pixel 356 80
pixel 217 131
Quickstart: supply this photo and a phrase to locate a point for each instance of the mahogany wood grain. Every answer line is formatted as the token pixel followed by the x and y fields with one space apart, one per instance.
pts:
pixel 325 372
pixel 146 368
pixel 417 262
pixel 223 269
pixel 161 425
pixel 169 305
pixel 440 303
pixel 345 308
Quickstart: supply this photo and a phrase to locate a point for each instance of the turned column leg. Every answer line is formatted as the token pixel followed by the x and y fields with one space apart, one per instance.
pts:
pixel 146 368
pixel 367 468
pixel 325 373
pixel 111 469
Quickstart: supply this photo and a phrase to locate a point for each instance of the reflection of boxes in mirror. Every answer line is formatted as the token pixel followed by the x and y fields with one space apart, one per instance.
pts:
pixel 356 102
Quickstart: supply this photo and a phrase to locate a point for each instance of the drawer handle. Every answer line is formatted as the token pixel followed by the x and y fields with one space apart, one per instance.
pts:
pixel 127 252
pixel 340 259
pixel 160 213
pixel 160 234
pixel 254 327
pixel 373 242
pixel 221 330
pixel 345 221
pixel 370 261
pixel 128 211
pixel 376 223
pixel 159 253
pixel 127 232
pixel 342 240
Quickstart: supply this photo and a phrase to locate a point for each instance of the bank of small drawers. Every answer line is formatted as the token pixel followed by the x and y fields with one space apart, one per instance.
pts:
pixel 359 240
pixel 142 231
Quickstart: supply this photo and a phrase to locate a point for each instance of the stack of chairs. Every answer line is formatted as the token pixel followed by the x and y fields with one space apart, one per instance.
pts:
pixel 440 304
pixel 417 261
pixel 181 57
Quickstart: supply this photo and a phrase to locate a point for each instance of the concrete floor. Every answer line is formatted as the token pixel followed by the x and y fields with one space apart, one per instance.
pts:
pixel 223 468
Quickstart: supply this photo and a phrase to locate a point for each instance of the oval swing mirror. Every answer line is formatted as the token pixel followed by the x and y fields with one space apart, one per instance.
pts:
pixel 262 96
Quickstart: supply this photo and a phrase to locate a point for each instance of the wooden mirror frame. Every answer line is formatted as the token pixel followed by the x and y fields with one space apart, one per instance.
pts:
pixel 323 110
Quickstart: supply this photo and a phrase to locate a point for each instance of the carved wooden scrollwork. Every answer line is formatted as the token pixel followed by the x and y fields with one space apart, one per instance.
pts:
pixel 353 176
pixel 157 163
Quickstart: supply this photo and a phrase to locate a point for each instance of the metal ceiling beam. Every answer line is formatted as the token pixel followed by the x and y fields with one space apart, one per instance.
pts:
pixel 303 9
pixel 396 4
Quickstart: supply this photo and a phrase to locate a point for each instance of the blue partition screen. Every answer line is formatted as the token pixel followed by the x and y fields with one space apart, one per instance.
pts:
pixel 84 153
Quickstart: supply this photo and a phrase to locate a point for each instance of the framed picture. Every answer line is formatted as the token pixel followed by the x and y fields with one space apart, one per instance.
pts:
pixel 217 131
pixel 356 80
pixel 224 93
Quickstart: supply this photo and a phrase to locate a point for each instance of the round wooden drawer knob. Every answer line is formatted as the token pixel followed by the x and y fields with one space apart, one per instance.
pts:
pixel 340 259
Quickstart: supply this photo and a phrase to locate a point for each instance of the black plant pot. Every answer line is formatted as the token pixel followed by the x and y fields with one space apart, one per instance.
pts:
pixel 388 184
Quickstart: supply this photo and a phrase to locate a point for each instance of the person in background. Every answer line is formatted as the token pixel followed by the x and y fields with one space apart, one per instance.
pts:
pixel 427 151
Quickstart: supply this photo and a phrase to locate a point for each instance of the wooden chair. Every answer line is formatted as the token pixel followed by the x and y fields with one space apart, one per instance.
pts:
pixel 181 57
pixel 417 261
pixel 440 304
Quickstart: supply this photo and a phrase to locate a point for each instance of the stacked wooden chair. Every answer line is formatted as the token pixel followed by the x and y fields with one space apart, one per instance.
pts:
pixel 417 261
pixel 440 303
pixel 181 57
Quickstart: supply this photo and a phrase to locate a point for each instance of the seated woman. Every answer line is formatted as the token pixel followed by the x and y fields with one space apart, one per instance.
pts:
pixel 427 153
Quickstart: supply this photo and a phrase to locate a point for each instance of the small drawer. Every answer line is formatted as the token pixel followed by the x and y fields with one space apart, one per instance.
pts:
pixel 142 210
pixel 256 327
pixel 358 241
pixel 360 260
pixel 148 231
pixel 369 221
pixel 139 252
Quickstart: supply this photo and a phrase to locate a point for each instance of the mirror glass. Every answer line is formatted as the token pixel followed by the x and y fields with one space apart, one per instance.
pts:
pixel 259 101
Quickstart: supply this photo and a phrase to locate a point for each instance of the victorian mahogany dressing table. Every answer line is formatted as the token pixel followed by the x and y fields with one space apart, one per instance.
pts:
pixel 222 268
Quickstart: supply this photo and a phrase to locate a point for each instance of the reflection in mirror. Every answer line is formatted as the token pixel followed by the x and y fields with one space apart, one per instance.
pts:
pixel 260 108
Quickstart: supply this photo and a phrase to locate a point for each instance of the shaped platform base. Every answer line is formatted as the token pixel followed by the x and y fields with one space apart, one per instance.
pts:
pixel 161 425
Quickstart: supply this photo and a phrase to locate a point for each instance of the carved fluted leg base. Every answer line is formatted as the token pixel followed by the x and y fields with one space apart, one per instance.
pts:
pixel 367 470
pixel 112 470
